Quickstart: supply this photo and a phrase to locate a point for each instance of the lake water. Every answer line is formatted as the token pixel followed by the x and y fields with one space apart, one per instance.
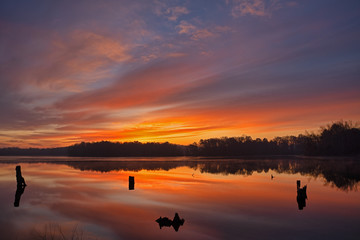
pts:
pixel 92 198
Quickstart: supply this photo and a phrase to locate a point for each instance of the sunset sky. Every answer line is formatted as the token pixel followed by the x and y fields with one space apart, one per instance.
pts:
pixel 176 71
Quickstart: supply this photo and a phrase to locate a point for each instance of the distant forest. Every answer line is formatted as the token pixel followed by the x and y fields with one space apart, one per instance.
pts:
pixel 338 139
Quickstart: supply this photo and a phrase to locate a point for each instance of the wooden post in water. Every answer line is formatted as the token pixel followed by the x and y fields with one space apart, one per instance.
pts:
pixel 131 182
pixel 20 186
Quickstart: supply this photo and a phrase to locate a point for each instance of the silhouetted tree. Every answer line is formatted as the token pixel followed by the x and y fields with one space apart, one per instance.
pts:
pixel 14 151
pixel 340 138
pixel 126 149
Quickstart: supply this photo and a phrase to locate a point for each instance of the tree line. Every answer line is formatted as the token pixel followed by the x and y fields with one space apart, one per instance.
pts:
pixel 125 149
pixel 15 151
pixel 337 139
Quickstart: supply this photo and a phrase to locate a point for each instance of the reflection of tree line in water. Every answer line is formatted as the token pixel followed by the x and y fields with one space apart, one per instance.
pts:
pixel 344 174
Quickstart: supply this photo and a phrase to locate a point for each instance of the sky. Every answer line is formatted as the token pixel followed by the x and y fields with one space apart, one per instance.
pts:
pixel 176 71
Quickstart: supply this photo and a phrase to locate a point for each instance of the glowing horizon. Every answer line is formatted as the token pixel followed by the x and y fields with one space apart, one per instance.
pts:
pixel 176 71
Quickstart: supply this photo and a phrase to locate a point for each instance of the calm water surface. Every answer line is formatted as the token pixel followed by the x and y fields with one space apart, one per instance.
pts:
pixel 217 198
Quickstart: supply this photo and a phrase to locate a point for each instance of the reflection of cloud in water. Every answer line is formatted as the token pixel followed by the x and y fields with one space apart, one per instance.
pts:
pixel 214 206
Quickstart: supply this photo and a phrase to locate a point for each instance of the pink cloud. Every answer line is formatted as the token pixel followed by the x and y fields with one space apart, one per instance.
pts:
pixel 196 33
pixel 171 13
pixel 175 12
pixel 186 27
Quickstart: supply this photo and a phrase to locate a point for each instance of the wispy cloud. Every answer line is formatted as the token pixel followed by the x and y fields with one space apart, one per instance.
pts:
pixel 197 33
pixel 78 58
pixel 60 63
pixel 186 28
pixel 171 13
pixel 262 8
pixel 174 13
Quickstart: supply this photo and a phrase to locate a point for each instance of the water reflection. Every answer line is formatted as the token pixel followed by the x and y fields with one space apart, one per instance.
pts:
pixel 216 206
pixel 20 186
pixel 301 195
pixel 19 191
pixel 166 222
pixel 341 173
